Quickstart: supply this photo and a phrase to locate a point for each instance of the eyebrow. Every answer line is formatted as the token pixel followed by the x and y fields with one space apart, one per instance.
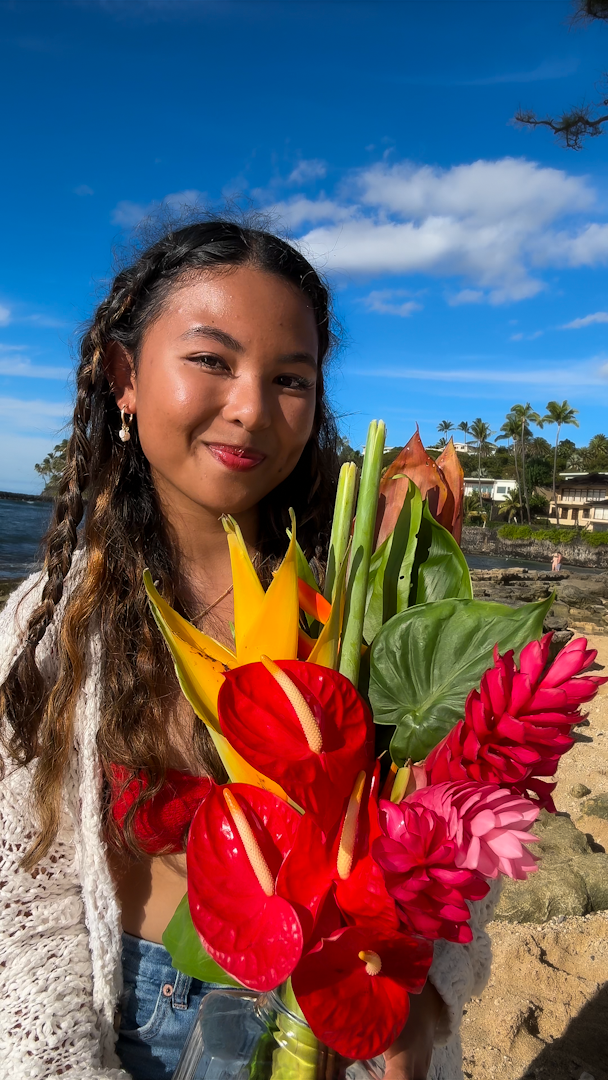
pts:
pixel 230 342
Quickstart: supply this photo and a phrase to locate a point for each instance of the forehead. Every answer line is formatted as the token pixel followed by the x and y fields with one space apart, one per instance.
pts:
pixel 241 300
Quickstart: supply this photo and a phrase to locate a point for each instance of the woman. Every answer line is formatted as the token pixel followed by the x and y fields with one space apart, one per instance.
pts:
pixel 200 391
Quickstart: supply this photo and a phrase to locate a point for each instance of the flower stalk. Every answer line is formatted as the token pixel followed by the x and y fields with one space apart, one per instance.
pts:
pixel 341 525
pixel 363 538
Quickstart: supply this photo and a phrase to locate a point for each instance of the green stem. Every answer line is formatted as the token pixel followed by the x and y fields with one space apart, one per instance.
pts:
pixel 363 538
pixel 341 524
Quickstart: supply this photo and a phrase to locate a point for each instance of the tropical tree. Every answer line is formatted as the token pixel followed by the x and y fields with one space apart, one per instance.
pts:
pixel 511 504
pixel 525 415
pixel 445 427
pixel 583 121
pixel 465 427
pixel 52 467
pixel 441 442
pixel 481 432
pixel 560 415
pixel 510 432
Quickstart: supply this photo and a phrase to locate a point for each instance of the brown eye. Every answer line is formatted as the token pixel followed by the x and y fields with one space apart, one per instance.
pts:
pixel 295 382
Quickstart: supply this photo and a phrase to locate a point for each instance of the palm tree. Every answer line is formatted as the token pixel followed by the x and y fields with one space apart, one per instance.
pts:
pixel 511 505
pixel 465 427
pixel 510 432
pixel 481 433
pixel 445 427
pixel 525 415
pixel 560 415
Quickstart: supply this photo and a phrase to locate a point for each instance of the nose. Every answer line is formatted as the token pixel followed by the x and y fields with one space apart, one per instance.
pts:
pixel 249 403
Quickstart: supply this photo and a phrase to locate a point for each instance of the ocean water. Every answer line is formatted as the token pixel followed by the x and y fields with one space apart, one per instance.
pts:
pixel 22 526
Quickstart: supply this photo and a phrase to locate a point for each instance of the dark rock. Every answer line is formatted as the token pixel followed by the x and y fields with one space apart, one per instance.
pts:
pixel 578 791
pixel 594 871
pixel 597 806
pixel 554 890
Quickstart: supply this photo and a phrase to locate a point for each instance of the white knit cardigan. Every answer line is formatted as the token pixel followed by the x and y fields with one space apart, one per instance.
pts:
pixel 60 930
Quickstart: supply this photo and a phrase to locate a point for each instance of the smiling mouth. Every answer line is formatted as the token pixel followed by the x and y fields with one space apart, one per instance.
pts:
pixel 238 458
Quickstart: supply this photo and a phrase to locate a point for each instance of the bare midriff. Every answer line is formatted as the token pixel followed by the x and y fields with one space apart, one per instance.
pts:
pixel 148 890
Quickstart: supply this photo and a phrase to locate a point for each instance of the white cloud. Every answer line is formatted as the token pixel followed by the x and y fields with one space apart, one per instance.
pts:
pixel 22 368
pixel 587 320
pixel 5 315
pixel 494 224
pixel 527 337
pixel 33 415
pixel 575 374
pixel 307 170
pixel 466 296
pixel 391 302
pixel 83 189
pixel 128 214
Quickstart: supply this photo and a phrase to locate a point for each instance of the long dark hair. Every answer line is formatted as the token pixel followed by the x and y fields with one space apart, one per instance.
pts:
pixel 124 531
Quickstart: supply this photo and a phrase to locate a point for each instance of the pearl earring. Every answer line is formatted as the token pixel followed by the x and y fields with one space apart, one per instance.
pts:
pixel 126 419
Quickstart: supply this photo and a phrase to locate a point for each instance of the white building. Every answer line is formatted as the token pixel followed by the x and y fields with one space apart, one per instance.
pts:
pixel 492 490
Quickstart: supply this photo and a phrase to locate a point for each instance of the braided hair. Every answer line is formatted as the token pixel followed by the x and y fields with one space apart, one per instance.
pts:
pixel 124 531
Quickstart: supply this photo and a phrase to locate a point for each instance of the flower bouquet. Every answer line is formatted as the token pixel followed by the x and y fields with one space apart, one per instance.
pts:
pixel 389 742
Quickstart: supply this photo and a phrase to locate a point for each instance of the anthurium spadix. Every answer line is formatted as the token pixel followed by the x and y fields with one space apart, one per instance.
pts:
pixel 303 725
pixel 238 840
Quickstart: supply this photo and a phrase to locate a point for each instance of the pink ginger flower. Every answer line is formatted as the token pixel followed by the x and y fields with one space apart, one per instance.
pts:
pixel 418 856
pixel 488 824
pixel 517 725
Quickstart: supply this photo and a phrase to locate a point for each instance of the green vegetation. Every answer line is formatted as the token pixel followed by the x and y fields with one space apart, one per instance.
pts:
pixel 556 536
pixel 52 467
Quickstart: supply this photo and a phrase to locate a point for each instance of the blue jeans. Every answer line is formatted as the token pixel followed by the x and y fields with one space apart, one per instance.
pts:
pixel 158 1007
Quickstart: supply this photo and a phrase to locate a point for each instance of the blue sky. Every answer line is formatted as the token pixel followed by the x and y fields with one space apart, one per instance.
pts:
pixel 468 256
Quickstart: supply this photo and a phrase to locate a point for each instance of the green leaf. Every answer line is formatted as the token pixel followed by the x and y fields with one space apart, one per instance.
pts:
pixel 187 951
pixel 391 567
pixel 440 569
pixel 425 661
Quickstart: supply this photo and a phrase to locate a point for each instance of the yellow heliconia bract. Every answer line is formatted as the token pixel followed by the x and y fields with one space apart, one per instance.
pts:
pixel 266 623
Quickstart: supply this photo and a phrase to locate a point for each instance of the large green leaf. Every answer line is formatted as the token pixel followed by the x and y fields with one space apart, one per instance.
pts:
pixel 187 951
pixel 425 661
pixel 391 567
pixel 440 569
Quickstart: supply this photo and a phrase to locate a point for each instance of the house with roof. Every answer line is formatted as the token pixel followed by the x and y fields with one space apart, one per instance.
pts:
pixel 582 501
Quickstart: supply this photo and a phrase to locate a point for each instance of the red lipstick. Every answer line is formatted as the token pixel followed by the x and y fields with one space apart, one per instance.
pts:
pixel 238 458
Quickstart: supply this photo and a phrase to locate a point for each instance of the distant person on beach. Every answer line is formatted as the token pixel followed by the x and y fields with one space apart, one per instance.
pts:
pixel 556 562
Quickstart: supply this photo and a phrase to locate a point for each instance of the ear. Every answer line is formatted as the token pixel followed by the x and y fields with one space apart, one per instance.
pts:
pixel 120 373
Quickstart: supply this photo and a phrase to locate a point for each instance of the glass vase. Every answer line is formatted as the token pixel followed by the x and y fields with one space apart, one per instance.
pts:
pixel 245 1035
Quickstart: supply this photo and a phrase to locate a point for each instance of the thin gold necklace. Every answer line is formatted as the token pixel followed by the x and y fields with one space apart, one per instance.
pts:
pixel 210 607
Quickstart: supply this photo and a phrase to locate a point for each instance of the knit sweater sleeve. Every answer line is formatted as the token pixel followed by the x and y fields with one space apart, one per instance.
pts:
pixel 460 971
pixel 49 1027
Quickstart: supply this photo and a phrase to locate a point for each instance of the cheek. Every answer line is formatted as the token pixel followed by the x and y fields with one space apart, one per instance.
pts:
pixel 298 420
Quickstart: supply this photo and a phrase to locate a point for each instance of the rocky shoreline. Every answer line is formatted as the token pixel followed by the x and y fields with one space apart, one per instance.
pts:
pixel 476 541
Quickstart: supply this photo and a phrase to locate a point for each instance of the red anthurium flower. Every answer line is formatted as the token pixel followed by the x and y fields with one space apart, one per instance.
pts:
pixel 418 855
pixel 354 987
pixel 339 866
pixel 517 726
pixel 304 726
pixel 362 894
pixel 239 838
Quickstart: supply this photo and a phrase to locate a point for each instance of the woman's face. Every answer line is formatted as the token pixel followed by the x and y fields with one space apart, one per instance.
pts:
pixel 225 388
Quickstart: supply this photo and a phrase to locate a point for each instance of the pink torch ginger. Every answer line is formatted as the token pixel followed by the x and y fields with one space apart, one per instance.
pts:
pixel 517 725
